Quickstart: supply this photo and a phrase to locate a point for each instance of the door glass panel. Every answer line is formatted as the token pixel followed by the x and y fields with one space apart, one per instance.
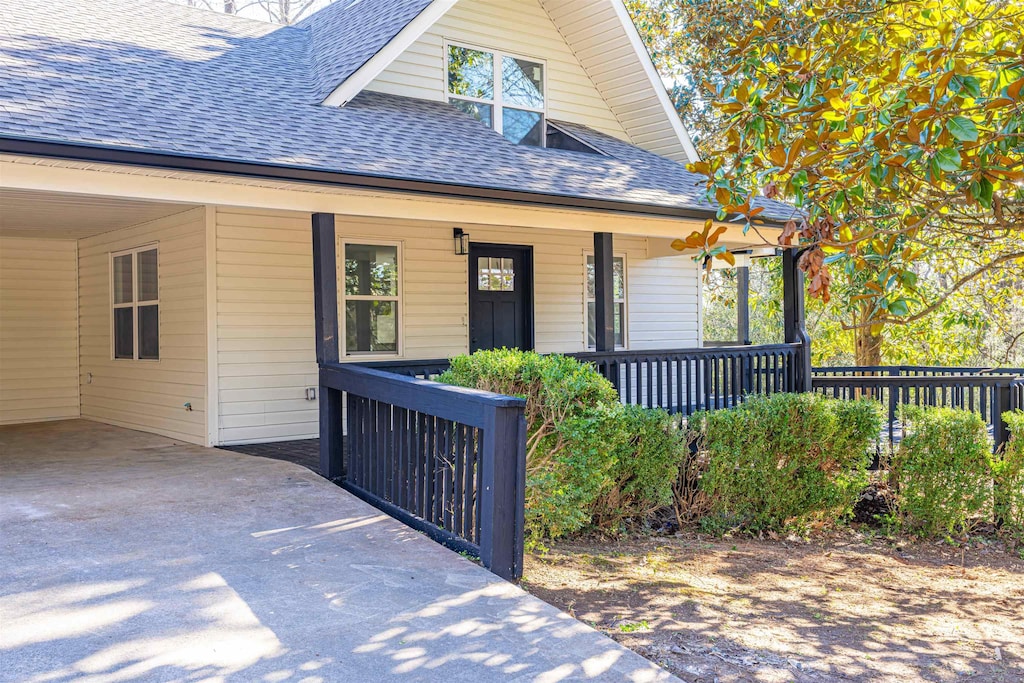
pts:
pixel 123 280
pixel 508 275
pixel 371 270
pixel 147 275
pixel 123 332
pixel 149 332
pixel 371 326
pixel 495 274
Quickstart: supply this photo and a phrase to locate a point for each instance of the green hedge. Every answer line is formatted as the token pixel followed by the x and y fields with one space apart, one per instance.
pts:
pixel 1008 475
pixel 785 461
pixel 941 471
pixel 589 459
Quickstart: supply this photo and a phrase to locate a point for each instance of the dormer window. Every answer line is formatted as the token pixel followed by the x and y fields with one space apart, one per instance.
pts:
pixel 502 91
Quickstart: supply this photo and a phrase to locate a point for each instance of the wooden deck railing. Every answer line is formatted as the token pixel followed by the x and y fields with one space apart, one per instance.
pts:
pixel 683 381
pixel 990 393
pixel 448 461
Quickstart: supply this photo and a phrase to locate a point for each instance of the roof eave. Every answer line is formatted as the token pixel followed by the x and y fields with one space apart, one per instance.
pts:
pixel 248 169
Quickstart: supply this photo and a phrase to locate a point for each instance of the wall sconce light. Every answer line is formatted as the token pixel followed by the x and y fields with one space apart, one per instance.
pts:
pixel 461 242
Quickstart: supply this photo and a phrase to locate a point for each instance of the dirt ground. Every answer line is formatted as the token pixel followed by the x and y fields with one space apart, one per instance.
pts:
pixel 854 608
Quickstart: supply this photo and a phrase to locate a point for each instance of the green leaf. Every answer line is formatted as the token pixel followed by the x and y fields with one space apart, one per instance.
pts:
pixel 899 307
pixel 947 159
pixel 962 128
pixel 984 194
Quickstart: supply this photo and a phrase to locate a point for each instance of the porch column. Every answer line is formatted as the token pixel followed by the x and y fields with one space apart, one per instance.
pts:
pixel 743 305
pixel 325 307
pixel 794 317
pixel 604 293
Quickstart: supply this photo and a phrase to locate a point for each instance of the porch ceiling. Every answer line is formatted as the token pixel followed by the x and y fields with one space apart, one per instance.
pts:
pixel 57 215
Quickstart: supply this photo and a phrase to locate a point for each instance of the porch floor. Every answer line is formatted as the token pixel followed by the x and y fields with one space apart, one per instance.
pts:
pixel 128 556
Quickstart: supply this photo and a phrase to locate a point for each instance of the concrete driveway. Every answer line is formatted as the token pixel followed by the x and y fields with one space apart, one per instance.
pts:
pixel 128 556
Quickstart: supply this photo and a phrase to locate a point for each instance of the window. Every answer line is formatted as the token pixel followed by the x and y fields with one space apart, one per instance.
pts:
pixel 371 298
pixel 619 287
pixel 503 92
pixel 496 274
pixel 135 299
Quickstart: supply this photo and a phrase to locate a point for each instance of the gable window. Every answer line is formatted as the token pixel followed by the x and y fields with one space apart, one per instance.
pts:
pixel 135 303
pixel 502 91
pixel 619 288
pixel 371 298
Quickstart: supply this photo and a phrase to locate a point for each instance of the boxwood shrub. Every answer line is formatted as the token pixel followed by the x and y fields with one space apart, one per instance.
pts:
pixel 589 459
pixel 941 471
pixel 1008 475
pixel 785 461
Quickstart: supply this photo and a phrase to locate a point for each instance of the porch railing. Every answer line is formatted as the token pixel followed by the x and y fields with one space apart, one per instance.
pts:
pixel 445 460
pixel 986 392
pixel 683 381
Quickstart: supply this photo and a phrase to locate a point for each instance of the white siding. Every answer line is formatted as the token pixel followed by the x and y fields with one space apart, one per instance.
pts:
pixel 265 337
pixel 38 330
pixel 520 27
pixel 265 329
pixel 149 395
pixel 606 51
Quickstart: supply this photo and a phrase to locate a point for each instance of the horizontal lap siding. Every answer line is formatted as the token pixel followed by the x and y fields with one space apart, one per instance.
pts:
pixel 266 356
pixel 265 328
pixel 664 303
pixel 149 395
pixel 520 27
pixel 38 330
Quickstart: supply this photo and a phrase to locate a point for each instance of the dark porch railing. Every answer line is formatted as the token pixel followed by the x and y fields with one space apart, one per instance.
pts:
pixel 683 381
pixel 448 461
pixel 988 392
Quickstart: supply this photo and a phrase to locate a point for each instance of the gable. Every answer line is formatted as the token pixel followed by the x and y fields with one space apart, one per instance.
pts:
pixel 520 27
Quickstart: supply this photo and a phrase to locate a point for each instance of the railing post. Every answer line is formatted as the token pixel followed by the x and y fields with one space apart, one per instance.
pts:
pixel 1001 403
pixel 743 305
pixel 794 318
pixel 325 307
pixel 503 494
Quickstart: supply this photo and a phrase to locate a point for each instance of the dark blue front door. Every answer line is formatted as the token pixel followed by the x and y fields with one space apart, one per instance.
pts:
pixel 500 297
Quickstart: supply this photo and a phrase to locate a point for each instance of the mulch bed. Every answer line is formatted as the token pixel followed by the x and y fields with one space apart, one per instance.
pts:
pixel 852 607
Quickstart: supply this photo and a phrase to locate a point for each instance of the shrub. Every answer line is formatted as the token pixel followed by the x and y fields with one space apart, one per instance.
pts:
pixel 589 459
pixel 942 470
pixel 645 465
pixel 784 461
pixel 573 431
pixel 1008 475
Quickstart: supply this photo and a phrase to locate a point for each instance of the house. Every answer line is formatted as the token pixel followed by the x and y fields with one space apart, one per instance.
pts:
pixel 477 173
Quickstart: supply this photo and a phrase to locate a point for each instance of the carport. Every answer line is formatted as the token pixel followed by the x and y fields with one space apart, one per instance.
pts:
pixel 59 311
pixel 130 556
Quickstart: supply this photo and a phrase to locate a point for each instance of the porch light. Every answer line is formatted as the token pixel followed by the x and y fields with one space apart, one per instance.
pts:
pixel 461 242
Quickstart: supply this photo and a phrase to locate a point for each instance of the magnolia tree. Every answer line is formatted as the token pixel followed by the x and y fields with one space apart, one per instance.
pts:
pixel 895 129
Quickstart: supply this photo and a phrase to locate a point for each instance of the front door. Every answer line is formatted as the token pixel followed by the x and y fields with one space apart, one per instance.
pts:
pixel 500 297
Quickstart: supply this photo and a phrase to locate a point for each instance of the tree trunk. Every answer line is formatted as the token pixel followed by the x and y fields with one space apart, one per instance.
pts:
pixel 867 347
pixel 229 6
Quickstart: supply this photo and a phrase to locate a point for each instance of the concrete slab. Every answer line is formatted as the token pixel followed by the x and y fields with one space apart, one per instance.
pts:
pixel 131 557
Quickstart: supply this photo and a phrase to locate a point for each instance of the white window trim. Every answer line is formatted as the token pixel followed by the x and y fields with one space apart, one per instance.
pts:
pixel 624 301
pixel 134 303
pixel 497 103
pixel 343 298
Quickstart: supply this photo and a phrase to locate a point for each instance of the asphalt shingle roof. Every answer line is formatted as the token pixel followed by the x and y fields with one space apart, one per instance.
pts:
pixel 147 75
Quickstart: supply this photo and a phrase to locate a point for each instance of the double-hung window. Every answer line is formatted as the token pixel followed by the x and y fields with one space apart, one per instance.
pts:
pixel 135 300
pixel 371 298
pixel 502 91
pixel 619 289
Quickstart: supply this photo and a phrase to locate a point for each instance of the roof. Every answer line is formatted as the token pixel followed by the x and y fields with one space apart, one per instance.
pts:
pixel 150 76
